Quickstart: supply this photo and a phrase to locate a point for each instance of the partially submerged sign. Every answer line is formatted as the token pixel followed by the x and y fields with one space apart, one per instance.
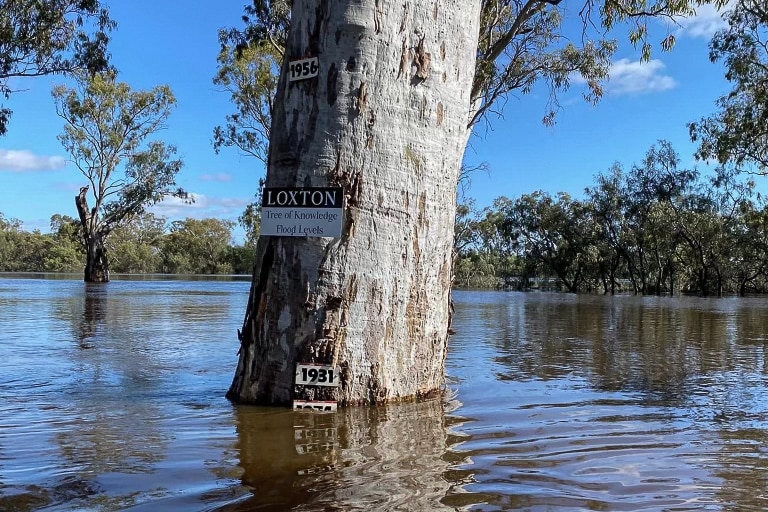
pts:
pixel 315 405
pixel 307 211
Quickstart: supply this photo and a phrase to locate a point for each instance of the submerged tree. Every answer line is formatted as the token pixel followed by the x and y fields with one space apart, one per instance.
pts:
pixel 106 132
pixel 398 88
pixel 51 37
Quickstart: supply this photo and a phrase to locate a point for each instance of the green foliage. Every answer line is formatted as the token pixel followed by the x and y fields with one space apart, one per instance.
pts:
pixel 142 245
pixel 249 74
pixel 106 131
pixel 242 258
pixel 51 37
pixel 249 62
pixel 250 221
pixel 738 133
pixel 135 245
pixel 198 247
pixel 65 252
pixel 22 251
pixel 657 228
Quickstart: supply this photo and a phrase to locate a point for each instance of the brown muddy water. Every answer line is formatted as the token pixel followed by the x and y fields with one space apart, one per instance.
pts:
pixel 112 398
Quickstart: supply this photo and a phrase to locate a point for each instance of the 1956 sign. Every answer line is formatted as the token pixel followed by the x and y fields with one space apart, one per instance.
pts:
pixel 302 69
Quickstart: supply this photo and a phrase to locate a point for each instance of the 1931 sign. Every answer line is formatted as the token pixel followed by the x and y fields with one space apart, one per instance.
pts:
pixel 297 211
pixel 309 374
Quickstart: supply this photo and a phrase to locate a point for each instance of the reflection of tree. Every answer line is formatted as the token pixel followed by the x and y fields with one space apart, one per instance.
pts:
pixel 652 345
pixel 382 458
pixel 108 427
pixel 95 297
pixel 580 396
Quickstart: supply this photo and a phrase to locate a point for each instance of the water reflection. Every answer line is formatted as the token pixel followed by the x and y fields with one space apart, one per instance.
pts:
pixel 356 459
pixel 626 403
pixel 121 385
pixel 111 398
pixel 94 306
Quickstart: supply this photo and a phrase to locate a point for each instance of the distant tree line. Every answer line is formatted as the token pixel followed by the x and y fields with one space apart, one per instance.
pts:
pixel 145 244
pixel 655 228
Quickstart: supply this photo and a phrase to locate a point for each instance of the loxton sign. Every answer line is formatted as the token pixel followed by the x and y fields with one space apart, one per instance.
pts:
pixel 309 211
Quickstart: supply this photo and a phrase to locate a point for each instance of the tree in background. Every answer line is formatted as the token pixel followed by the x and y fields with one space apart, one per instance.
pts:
pixel 738 133
pixel 10 237
pixel 248 65
pixel 66 252
pixel 135 244
pixel 106 133
pixel 198 247
pixel 50 37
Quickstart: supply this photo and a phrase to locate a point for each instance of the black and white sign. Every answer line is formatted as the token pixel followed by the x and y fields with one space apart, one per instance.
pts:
pixel 315 212
pixel 317 375
pixel 315 405
pixel 302 69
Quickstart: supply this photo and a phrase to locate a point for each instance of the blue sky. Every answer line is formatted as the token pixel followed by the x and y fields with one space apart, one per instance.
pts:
pixel 175 42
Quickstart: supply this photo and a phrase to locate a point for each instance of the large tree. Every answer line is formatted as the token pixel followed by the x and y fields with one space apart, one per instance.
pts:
pixel 387 118
pixel 106 133
pixel 50 37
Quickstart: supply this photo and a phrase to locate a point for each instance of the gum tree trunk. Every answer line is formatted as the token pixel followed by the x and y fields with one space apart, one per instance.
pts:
pixel 96 261
pixel 386 119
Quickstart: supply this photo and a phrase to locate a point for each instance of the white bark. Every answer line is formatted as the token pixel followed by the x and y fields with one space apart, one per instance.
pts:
pixel 386 119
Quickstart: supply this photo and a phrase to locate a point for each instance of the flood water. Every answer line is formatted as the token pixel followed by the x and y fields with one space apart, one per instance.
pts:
pixel 112 398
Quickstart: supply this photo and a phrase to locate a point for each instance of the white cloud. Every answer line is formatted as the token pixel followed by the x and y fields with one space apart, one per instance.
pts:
pixel 174 208
pixel 635 77
pixel 220 177
pixel 705 22
pixel 23 160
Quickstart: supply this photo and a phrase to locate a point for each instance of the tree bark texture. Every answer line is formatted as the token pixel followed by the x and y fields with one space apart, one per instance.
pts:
pixel 96 262
pixel 386 119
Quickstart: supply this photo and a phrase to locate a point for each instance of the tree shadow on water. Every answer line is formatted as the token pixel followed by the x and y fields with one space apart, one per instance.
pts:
pixel 87 327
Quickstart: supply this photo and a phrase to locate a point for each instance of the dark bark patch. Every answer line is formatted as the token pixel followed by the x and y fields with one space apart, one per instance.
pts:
pixel 369 130
pixel 422 208
pixel 423 62
pixel 351 63
pixel 331 85
pixel 376 392
pixel 333 302
pixel 362 98
pixel 440 113
pixel 321 15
